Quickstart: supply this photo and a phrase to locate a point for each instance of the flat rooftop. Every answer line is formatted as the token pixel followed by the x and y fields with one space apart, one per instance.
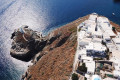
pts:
pixel 93 17
pixel 102 20
pixel 96 46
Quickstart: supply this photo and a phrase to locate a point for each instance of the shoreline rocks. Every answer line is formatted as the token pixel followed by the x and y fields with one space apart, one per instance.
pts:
pixel 50 51
pixel 51 59
pixel 26 43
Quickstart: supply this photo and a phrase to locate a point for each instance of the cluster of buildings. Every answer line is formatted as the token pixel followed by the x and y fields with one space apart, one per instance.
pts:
pixel 98 48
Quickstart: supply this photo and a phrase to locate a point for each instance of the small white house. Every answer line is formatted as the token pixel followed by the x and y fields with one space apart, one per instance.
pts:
pixel 93 17
pixel 83 44
pixel 81 25
pixel 117 42
pixel 102 20
pixel 81 35
pixel 110 32
pixel 98 34
pixel 116 73
pixel 90 66
pixel 116 63
pixel 106 38
pixel 95 49
pixel 96 40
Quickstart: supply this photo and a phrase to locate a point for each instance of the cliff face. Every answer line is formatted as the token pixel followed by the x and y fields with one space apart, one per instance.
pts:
pixel 52 55
pixel 26 43
pixel 55 61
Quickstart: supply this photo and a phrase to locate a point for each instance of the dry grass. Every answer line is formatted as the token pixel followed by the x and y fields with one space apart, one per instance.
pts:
pixel 57 63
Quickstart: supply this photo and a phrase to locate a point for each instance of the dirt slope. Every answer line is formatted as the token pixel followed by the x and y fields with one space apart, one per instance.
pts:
pixel 57 62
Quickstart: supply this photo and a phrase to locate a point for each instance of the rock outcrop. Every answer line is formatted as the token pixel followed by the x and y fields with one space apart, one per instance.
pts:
pixel 52 55
pixel 55 61
pixel 26 43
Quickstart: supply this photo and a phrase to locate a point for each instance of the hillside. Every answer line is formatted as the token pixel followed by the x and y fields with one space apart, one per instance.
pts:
pixel 52 55
pixel 57 62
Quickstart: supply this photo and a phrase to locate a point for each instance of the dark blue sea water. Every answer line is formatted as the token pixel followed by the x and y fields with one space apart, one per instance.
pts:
pixel 42 15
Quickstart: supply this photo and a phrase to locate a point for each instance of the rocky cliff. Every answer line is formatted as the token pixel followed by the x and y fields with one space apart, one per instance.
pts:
pixel 52 55
pixel 26 43
pixel 55 61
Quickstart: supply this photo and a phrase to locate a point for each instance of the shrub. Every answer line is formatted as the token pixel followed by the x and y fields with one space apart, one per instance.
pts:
pixel 85 78
pixel 79 29
pixel 74 29
pixel 107 57
pixel 97 59
pixel 74 76
pixel 42 73
pixel 82 68
pixel 113 28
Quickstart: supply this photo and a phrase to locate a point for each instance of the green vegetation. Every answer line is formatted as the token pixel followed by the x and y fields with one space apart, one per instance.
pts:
pixel 85 78
pixel 98 59
pixel 107 54
pixel 107 51
pixel 101 65
pixel 74 76
pixel 82 68
pixel 38 57
pixel 109 75
pixel 113 28
pixel 67 75
pixel 74 40
pixel 71 65
pixel 74 29
pixel 42 73
pixel 97 70
pixel 107 57
pixel 79 29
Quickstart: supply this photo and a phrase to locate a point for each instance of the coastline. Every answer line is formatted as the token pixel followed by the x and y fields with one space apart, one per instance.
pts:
pixel 77 20
pixel 67 30
pixel 85 56
pixel 72 26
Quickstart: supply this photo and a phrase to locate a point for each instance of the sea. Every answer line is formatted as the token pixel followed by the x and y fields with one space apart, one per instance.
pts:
pixel 43 16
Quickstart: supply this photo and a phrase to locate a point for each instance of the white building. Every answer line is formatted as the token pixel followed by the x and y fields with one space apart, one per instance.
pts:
pixel 81 35
pixel 117 42
pixel 81 25
pixel 93 32
pixel 90 67
pixel 96 40
pixel 116 63
pixel 110 33
pixel 98 34
pixel 95 49
pixel 102 20
pixel 90 64
pixel 91 29
pixel 106 38
pixel 93 17
pixel 104 26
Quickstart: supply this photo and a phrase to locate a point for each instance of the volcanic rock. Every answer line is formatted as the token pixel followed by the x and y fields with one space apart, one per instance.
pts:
pixel 26 43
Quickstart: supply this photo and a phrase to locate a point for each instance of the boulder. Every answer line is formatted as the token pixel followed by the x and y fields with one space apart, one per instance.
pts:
pixel 26 43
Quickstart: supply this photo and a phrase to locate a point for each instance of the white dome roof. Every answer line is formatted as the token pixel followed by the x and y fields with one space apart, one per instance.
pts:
pixel 96 77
